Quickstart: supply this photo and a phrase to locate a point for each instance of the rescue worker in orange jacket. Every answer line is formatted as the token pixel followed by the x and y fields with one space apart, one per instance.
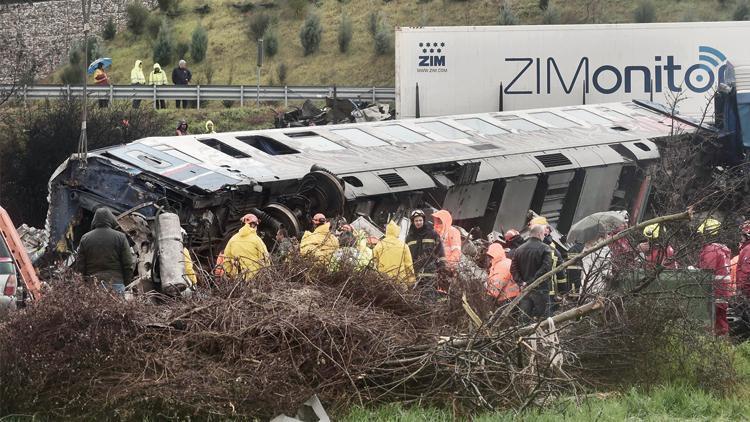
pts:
pixel 717 258
pixel 500 284
pixel 450 236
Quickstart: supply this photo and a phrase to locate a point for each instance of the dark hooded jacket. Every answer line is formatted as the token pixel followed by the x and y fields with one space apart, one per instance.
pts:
pixel 426 249
pixel 104 252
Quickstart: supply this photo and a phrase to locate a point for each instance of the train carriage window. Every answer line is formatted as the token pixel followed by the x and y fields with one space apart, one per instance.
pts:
pixel 519 124
pixel 588 116
pixel 482 126
pixel 360 138
pixel 314 141
pixel 554 119
pixel 223 148
pixel 268 145
pixel 444 130
pixel 402 134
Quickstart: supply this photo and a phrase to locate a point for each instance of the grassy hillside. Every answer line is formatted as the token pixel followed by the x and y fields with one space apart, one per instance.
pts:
pixel 231 52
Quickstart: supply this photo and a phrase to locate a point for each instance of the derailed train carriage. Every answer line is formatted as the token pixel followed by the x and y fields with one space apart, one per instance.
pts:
pixel 488 169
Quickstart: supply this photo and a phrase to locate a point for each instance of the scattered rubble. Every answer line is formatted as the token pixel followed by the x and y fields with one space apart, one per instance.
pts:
pixel 336 111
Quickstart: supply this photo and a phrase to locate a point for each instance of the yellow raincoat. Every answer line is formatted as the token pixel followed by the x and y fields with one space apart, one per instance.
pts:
pixel 189 270
pixel 245 252
pixel 392 256
pixel 136 74
pixel 321 243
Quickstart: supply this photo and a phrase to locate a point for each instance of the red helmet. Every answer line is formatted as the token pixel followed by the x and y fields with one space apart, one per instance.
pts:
pixel 250 218
pixel 510 234
pixel 745 228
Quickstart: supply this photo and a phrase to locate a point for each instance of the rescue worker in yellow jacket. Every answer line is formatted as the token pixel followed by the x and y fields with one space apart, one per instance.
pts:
pixel 393 257
pixel 321 243
pixel 137 78
pixel 189 270
pixel 158 77
pixel 246 253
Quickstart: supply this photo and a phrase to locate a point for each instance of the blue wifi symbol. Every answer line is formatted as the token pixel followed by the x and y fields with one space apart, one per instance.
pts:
pixel 711 55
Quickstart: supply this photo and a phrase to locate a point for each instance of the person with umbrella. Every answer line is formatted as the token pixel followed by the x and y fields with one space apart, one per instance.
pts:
pixel 100 77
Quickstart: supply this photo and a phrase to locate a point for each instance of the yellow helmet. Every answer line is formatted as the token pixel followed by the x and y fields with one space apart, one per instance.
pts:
pixel 652 231
pixel 710 226
pixel 538 220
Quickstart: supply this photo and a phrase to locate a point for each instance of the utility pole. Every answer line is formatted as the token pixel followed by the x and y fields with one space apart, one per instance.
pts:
pixel 83 141
pixel 260 63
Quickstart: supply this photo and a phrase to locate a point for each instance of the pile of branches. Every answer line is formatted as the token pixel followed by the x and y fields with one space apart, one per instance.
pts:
pixel 260 348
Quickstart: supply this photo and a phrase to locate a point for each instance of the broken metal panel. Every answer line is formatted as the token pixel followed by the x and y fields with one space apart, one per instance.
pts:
pixel 507 166
pixel 643 149
pixel 468 201
pixel 555 195
pixel 386 181
pixel 171 167
pixel 598 187
pixel 515 203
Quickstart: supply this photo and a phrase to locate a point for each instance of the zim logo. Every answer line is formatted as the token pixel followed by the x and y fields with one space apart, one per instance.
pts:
pixel 431 54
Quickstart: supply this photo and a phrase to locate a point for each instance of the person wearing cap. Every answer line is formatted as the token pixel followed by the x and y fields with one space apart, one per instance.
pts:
pixel 717 258
pixel 653 249
pixel 392 257
pixel 743 261
pixel 181 76
pixel 321 243
pixel 245 253
pixel 426 249
pixel 182 128
pixel 158 77
pixel 500 284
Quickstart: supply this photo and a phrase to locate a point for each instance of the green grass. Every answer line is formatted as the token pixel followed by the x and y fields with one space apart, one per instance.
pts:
pixel 675 401
pixel 231 52
pixel 663 403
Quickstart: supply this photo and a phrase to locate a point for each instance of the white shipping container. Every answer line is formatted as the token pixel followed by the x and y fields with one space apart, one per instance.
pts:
pixel 460 69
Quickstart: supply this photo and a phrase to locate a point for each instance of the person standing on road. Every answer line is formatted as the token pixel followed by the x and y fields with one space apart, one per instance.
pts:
pixel 717 258
pixel 104 253
pixel 102 79
pixel 137 78
pixel 181 76
pixel 158 77
pixel 182 128
pixel 530 261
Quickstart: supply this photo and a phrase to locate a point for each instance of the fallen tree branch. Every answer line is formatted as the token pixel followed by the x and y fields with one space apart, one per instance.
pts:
pixel 580 311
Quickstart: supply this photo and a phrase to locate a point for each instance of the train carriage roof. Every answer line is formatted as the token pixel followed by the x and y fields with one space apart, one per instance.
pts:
pixel 506 144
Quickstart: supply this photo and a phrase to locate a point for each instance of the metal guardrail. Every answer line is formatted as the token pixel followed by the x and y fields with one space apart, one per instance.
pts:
pixel 198 93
